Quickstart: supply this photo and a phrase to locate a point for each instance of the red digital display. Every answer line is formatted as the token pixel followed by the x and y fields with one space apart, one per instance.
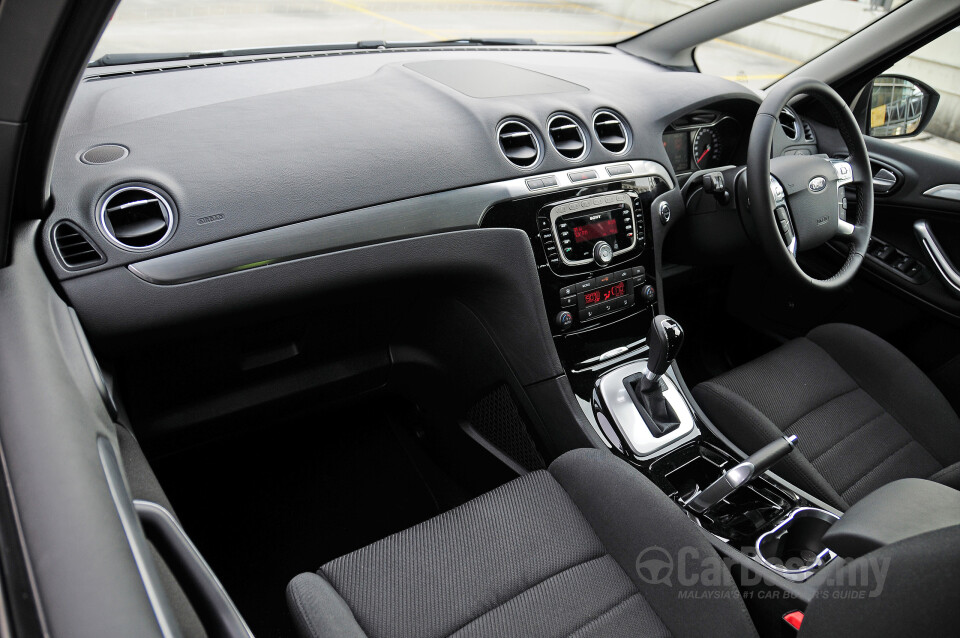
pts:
pixel 595 230
pixel 618 289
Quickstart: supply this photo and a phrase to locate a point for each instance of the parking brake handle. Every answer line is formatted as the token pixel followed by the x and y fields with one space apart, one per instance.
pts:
pixel 741 474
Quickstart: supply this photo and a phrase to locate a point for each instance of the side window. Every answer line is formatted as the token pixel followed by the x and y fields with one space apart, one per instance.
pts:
pixel 896 104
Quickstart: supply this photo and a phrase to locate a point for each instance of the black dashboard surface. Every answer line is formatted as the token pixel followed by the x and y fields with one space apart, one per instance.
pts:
pixel 269 143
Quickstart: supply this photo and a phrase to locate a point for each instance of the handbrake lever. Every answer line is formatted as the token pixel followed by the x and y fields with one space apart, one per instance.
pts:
pixel 741 474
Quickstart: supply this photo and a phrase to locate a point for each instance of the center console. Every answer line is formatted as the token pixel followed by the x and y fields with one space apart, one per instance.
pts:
pixel 595 244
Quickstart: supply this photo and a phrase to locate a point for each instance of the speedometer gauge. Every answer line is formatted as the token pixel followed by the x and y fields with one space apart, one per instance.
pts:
pixel 706 148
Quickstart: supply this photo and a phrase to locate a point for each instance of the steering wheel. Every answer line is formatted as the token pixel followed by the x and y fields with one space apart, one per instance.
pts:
pixel 797 201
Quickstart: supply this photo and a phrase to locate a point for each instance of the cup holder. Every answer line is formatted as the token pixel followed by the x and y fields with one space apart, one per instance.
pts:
pixel 795 546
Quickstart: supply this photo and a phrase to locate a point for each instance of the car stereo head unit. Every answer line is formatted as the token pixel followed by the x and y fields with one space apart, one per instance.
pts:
pixel 594 228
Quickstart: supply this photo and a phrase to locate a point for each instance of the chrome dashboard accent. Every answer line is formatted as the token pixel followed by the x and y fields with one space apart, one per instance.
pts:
pixel 425 215
pixel 944 191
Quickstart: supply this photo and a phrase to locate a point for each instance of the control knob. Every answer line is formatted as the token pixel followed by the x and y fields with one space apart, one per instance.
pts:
pixel 602 253
pixel 564 319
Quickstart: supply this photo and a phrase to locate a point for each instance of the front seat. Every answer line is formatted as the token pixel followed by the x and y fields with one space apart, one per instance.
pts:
pixel 863 413
pixel 553 553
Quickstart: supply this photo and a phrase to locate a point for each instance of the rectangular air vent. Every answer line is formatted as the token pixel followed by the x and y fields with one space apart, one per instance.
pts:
pixel 74 248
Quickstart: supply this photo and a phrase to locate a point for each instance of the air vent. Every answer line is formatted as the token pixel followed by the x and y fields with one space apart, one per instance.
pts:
pixel 567 137
pixel 74 248
pixel 135 217
pixel 104 154
pixel 808 135
pixel 611 131
pixel 788 122
pixel 519 143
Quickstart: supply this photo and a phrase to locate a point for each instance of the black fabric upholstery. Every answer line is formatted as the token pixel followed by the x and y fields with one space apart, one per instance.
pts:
pixel 908 588
pixel 864 414
pixel 528 559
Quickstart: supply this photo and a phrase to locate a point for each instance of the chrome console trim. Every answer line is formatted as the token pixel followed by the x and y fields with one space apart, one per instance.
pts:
pixel 429 214
pixel 627 417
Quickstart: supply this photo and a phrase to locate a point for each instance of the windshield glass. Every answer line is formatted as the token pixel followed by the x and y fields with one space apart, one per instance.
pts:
pixel 165 26
pixel 762 53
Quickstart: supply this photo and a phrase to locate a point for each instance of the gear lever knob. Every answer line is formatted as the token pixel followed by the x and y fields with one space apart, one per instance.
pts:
pixel 664 340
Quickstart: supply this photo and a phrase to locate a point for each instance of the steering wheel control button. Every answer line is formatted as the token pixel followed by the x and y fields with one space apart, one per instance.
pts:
pixel 648 293
pixel 781 214
pixel 564 319
pixel 665 213
pixel 602 253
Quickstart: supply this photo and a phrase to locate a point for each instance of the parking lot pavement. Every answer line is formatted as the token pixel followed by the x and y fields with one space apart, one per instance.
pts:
pixel 207 25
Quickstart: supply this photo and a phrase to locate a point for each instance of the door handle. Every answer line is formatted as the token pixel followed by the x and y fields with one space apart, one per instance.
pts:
pixel 945 267
pixel 884 181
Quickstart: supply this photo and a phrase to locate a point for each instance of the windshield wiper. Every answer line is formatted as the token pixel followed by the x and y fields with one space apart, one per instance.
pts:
pixel 114 59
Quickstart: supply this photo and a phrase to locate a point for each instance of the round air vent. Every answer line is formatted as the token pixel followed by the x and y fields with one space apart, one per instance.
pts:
pixel 611 131
pixel 788 122
pixel 519 143
pixel 136 217
pixel 567 137
pixel 104 154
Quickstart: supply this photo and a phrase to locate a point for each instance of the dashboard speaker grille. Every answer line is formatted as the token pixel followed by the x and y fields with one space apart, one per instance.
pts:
pixel 567 137
pixel 519 143
pixel 74 248
pixel 104 154
pixel 610 130
pixel 135 217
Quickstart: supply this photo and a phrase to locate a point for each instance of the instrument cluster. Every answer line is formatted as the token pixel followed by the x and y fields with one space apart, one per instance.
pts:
pixel 702 140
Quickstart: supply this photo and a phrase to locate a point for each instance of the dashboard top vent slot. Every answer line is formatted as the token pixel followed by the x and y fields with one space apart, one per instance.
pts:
pixel 135 217
pixel 611 131
pixel 567 137
pixel 790 124
pixel 74 248
pixel 519 143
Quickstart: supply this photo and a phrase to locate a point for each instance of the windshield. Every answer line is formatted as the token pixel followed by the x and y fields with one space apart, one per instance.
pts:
pixel 166 26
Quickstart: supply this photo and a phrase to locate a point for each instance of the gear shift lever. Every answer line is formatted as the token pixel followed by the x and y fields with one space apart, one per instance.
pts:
pixel 664 341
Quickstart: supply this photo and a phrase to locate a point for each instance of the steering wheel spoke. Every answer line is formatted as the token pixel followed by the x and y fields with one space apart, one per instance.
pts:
pixel 782 214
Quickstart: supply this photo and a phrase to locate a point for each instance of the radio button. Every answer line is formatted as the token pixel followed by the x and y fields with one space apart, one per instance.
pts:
pixel 568 302
pixel 549 181
pixel 638 271
pixel 589 284
pixel 534 184
pixel 603 280
pixel 567 291
pixel 554 261
pixel 620 275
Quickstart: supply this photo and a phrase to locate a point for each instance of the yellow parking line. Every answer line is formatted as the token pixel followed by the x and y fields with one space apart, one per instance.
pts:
pixel 745 47
pixel 385 18
pixel 624 19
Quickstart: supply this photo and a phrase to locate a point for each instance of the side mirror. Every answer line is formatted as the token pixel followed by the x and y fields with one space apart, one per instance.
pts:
pixel 895 106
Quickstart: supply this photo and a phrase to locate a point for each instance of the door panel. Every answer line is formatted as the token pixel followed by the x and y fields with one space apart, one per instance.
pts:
pixel 55 432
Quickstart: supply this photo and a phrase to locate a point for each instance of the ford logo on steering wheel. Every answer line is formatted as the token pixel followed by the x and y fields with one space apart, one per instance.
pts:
pixel 817 184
